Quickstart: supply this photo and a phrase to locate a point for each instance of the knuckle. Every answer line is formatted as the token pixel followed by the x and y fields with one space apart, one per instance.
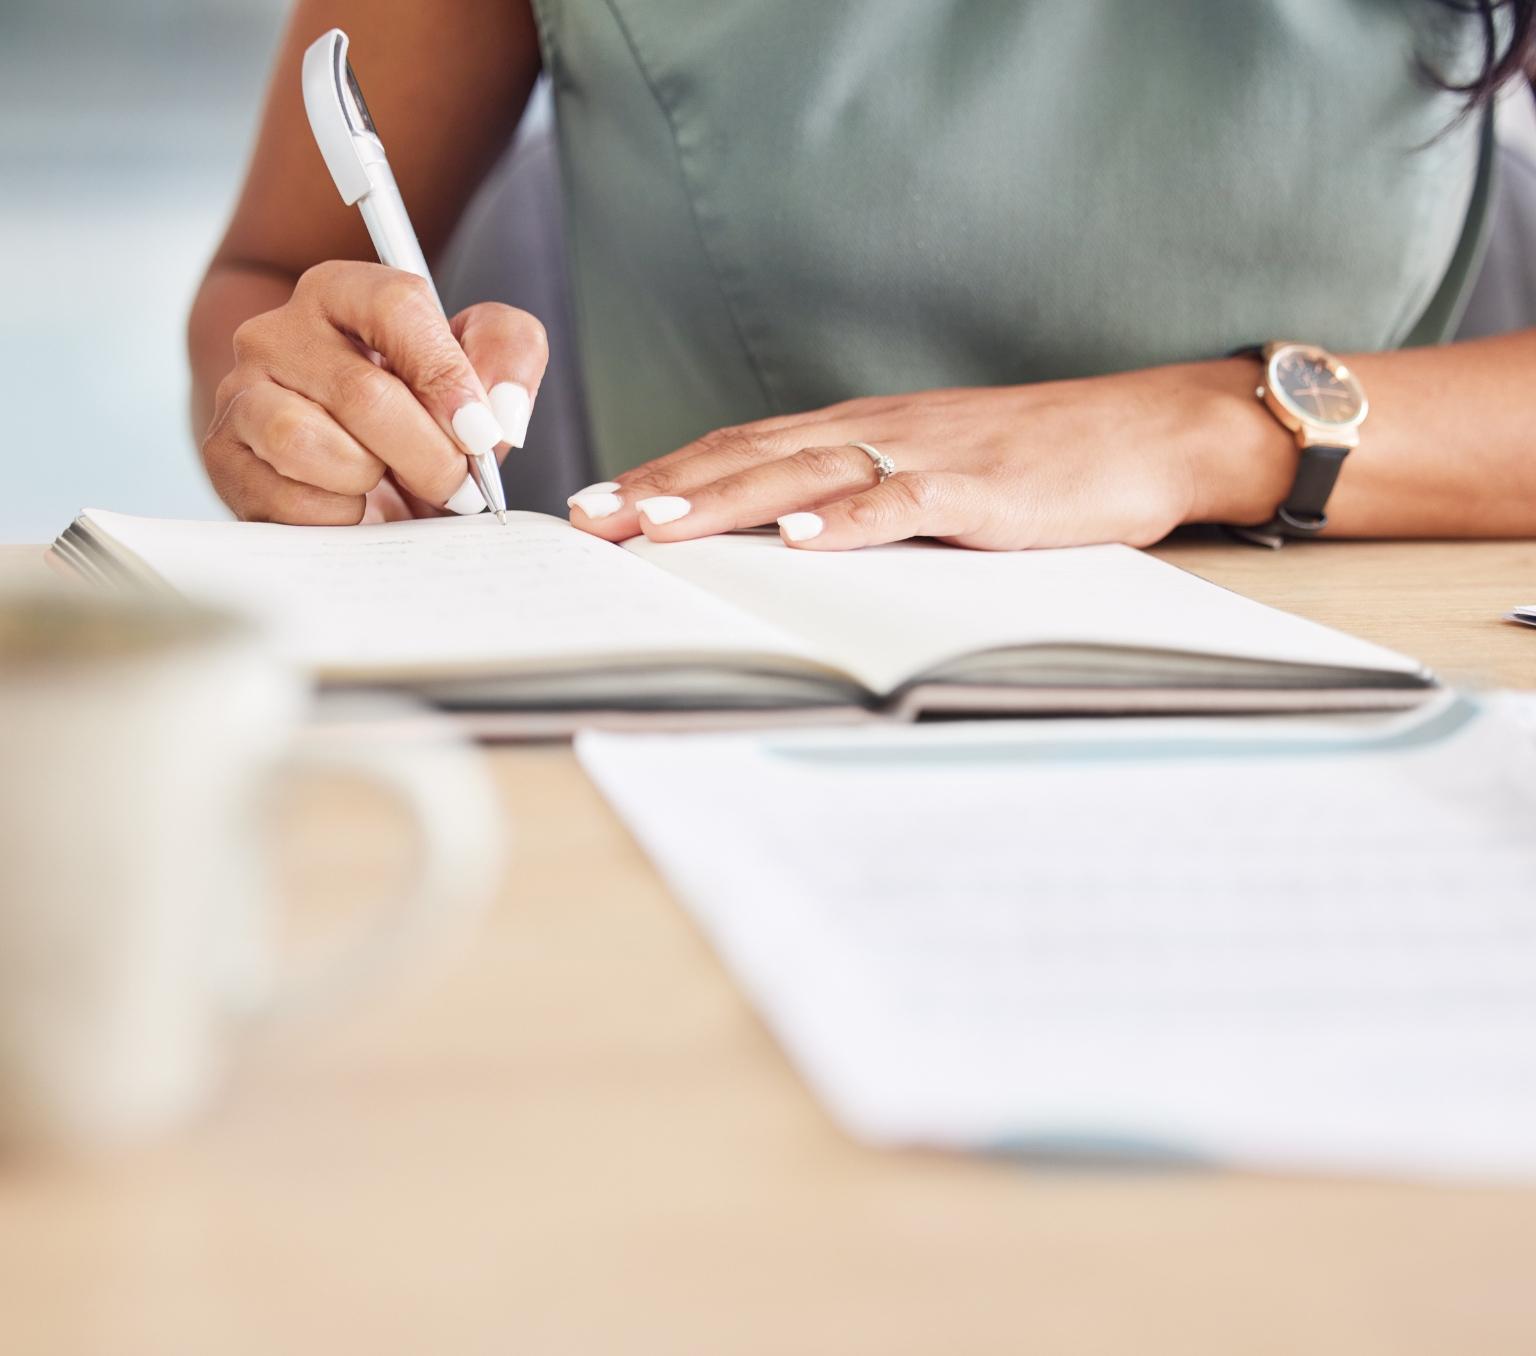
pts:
pixel 291 436
pixel 920 492
pixel 735 448
pixel 715 440
pixel 236 383
pixel 724 440
pixel 440 370
pixel 660 481
pixel 363 389
pixel 824 463
pixel 253 337
pixel 322 277
pixel 867 515
pixel 405 296
pixel 360 477
pixel 409 320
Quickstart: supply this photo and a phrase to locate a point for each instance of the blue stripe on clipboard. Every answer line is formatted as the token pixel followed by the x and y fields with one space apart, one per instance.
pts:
pixel 1441 724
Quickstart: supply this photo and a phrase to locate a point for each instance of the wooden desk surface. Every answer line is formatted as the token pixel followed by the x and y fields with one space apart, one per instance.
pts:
pixel 582 1141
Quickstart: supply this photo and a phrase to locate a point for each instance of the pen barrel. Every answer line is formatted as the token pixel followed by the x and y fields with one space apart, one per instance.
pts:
pixel 390 229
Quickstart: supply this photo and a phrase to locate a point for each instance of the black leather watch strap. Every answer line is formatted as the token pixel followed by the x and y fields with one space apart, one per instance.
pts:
pixel 1301 515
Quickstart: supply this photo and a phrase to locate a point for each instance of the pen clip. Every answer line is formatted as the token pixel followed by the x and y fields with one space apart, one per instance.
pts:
pixel 339 117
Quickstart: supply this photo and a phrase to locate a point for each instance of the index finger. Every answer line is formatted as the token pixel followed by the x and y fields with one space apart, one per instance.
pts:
pixel 397 315
pixel 907 504
pixel 509 349
pixel 609 509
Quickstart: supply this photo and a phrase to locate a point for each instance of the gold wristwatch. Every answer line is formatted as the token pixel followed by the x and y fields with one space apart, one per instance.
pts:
pixel 1317 398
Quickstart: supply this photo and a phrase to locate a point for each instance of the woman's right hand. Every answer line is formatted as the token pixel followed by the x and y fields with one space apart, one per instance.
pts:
pixel 357 398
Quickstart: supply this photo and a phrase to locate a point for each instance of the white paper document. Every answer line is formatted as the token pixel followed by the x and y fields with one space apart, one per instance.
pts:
pixel 1275 944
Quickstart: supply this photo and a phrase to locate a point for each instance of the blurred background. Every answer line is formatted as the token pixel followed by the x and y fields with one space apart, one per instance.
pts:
pixel 124 126
pixel 124 129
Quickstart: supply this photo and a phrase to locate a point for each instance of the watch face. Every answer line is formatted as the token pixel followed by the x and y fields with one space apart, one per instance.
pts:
pixel 1316 386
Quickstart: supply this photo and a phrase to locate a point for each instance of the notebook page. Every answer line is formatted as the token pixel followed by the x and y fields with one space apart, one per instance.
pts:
pixel 888 613
pixel 1272 943
pixel 442 594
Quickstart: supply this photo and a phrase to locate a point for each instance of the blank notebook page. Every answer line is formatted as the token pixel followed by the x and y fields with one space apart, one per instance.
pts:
pixel 1280 945
pixel 447 593
pixel 886 613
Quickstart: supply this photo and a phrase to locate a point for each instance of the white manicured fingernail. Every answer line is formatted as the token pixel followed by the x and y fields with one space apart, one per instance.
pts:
pixel 513 405
pixel 602 487
pixel 597 502
pixel 663 508
pixel 467 498
pixel 800 526
pixel 475 426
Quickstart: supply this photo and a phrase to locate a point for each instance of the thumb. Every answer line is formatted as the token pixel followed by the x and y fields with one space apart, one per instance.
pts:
pixel 509 350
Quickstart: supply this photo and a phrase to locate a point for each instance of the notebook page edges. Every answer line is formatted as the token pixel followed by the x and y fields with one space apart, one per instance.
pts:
pixel 448 596
pixel 889 615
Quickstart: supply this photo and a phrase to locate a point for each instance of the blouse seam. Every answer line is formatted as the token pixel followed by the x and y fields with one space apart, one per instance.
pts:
pixel 688 196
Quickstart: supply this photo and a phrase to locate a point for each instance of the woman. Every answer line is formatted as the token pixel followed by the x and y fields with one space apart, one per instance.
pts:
pixel 884 268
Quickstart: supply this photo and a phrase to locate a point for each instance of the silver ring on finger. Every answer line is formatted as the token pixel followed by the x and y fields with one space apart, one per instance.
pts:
pixel 885 468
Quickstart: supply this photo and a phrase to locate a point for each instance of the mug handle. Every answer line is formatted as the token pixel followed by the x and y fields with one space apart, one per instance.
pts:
pixel 420 759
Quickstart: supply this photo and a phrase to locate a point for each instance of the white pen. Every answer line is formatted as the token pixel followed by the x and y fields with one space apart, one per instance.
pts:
pixel 353 153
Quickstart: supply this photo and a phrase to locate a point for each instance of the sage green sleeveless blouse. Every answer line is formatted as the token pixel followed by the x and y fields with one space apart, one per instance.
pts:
pixel 777 204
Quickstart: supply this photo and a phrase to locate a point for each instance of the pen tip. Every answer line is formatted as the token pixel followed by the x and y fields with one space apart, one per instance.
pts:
pixel 501 516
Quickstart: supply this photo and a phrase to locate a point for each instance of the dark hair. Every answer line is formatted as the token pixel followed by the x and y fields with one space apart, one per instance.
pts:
pixel 1499 66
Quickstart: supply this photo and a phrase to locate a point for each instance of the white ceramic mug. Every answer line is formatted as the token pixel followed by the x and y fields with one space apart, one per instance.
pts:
pixel 137 742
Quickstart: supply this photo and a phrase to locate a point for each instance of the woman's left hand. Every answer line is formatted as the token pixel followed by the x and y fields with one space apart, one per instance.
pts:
pixel 1123 458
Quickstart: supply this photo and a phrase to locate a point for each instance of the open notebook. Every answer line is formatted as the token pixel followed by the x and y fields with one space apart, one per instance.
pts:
pixel 539 617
